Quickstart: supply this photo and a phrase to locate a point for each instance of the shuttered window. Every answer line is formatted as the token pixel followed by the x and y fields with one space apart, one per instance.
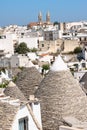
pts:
pixel 23 123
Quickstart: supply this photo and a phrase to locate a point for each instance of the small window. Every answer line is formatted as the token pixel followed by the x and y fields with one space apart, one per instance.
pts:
pixel 42 45
pixel 80 39
pixel 23 123
pixel 85 39
pixel 36 103
pixel 37 41
pixel 83 65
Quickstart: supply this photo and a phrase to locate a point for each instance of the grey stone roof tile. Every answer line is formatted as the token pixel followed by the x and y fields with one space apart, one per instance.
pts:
pixel 28 81
pixel 7 115
pixel 60 95
pixel 14 92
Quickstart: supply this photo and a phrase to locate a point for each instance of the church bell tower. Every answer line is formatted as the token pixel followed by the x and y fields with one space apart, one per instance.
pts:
pixel 40 17
pixel 48 17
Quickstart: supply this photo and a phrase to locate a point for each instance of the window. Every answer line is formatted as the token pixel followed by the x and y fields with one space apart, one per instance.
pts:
pixel 83 65
pixel 37 41
pixel 84 38
pixel 23 123
pixel 42 45
pixel 80 39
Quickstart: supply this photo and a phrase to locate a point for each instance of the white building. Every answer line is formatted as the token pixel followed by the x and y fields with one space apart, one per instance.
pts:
pixel 79 74
pixel 13 35
pixel 23 117
pixel 74 25
pixel 6 44
pixel 18 117
pixel 32 56
pixel 31 42
pixel 19 60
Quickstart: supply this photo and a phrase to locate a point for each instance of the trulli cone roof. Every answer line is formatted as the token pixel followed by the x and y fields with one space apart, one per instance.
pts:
pixel 7 115
pixel 14 92
pixel 28 81
pixel 61 96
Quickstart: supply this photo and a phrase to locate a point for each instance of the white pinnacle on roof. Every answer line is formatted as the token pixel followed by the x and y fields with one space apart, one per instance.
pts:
pixel 59 65
pixel 11 84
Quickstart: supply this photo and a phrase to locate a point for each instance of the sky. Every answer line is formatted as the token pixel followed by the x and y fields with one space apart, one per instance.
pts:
pixel 22 12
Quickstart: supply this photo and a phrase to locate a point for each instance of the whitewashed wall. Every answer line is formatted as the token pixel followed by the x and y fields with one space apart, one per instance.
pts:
pixel 23 112
pixel 19 61
pixel 14 61
pixel 31 42
pixel 37 112
pixel 23 61
pixel 7 44
pixel 69 25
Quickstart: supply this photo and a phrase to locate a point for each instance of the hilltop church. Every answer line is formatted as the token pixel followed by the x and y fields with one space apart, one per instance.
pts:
pixel 40 22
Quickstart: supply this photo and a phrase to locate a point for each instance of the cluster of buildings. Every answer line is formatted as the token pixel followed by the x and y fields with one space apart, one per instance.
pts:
pixel 43 34
pixel 36 98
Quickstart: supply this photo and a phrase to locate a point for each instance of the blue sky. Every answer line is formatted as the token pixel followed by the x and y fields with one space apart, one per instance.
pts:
pixel 22 12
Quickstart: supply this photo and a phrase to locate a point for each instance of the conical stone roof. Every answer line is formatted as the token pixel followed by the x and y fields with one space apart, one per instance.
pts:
pixel 14 92
pixel 15 71
pixel 7 115
pixel 61 96
pixel 28 81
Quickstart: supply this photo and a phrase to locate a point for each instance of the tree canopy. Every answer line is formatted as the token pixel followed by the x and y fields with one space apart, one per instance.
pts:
pixel 55 23
pixel 22 48
pixel 77 50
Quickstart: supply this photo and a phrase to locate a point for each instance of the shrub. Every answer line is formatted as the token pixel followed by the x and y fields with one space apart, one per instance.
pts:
pixel 3 85
pixel 46 67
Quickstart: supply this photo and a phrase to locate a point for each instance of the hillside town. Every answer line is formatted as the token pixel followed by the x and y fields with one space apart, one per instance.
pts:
pixel 43 75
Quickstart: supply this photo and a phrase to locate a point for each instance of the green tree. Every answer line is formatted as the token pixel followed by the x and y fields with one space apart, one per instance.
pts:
pixel 77 50
pixel 22 48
